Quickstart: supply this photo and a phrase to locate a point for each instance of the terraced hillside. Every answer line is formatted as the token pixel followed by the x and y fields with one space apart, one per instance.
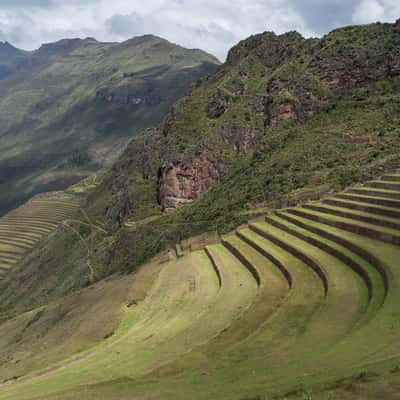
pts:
pixel 23 227
pixel 300 304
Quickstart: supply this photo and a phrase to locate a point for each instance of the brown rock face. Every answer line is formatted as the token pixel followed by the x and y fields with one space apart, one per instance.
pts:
pixel 182 182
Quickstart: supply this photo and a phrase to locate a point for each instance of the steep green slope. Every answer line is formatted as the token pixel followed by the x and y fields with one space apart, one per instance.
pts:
pixel 73 105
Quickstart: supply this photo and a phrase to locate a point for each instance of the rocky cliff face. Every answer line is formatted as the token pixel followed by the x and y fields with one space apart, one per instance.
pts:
pixel 181 183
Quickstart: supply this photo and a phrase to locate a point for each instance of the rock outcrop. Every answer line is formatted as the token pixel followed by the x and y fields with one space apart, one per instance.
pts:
pixel 181 183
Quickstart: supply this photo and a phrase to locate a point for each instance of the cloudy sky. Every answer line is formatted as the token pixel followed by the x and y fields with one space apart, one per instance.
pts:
pixel 213 25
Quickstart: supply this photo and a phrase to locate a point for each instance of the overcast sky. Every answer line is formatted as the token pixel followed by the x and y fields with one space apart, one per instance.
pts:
pixel 213 25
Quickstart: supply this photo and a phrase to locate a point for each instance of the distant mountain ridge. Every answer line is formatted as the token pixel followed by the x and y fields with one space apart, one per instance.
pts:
pixel 71 106
pixel 10 58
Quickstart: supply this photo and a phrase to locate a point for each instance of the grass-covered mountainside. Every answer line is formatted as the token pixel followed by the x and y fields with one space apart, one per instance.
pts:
pixel 69 108
pixel 219 257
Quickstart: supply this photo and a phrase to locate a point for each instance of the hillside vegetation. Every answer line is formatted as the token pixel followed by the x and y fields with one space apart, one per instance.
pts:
pixel 299 304
pixel 71 106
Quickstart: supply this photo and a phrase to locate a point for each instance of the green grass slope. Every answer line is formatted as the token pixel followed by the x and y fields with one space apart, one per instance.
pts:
pixel 72 106
pixel 301 303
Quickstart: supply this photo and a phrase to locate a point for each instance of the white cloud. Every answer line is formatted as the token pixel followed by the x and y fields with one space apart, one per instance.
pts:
pixel 368 11
pixel 213 25
pixel 376 10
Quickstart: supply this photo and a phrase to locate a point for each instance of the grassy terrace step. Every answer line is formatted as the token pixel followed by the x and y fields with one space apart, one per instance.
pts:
pixel 286 340
pixel 32 211
pixel 184 311
pixel 42 216
pixel 12 245
pixel 45 206
pixel 262 230
pixel 11 253
pixel 19 241
pixel 358 265
pixel 20 233
pixel 386 235
pixel 8 258
pixel 380 201
pixel 348 291
pixel 214 265
pixel 370 209
pixel 22 237
pixel 40 222
pixel 336 272
pixel 266 271
pixel 268 255
pixel 367 191
pixel 33 230
pixel 41 210
pixel 27 231
pixel 272 292
pixel 366 344
pixel 301 310
pixel 240 255
pixel 6 264
pixel 390 185
pixel 23 227
pixel 50 219
pixel 354 214
pixel 371 264
pixel 391 177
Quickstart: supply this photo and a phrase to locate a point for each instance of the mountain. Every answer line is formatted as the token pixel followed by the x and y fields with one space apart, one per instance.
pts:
pixel 237 131
pixel 218 256
pixel 71 107
pixel 10 58
pixel 284 120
